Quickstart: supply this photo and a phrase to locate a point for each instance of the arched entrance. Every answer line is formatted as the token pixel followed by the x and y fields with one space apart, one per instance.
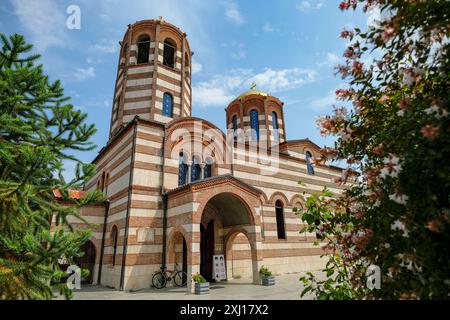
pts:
pixel 177 252
pixel 87 261
pixel 223 213
pixel 239 257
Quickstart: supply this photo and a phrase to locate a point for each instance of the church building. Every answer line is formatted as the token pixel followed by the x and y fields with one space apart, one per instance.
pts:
pixel 181 190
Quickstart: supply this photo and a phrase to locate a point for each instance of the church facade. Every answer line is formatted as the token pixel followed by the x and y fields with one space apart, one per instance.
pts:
pixel 181 190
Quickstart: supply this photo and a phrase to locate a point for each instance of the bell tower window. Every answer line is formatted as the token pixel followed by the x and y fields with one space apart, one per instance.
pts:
pixel 143 49
pixel 169 53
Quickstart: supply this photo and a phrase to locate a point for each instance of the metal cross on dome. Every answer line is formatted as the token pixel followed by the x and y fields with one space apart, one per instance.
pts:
pixel 253 86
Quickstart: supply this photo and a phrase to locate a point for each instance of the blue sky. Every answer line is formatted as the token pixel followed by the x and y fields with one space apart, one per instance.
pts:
pixel 288 47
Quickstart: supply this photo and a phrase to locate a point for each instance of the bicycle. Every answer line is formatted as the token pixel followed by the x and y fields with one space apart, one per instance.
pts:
pixel 160 278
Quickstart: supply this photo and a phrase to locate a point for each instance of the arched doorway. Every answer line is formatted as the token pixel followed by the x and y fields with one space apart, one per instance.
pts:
pixel 222 213
pixel 239 258
pixel 178 252
pixel 87 261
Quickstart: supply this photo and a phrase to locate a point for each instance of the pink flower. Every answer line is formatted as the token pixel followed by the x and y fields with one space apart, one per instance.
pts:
pixel 349 53
pixel 346 34
pixel 343 94
pixel 357 68
pixel 388 33
pixel 344 5
pixel 434 226
pixel 404 103
pixel 384 98
pixel 429 131
pixel 344 70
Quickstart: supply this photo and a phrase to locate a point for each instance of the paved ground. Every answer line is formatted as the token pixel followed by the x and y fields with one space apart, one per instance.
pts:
pixel 287 287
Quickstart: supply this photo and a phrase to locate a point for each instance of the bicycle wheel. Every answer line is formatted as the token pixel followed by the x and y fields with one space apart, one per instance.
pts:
pixel 180 279
pixel 159 280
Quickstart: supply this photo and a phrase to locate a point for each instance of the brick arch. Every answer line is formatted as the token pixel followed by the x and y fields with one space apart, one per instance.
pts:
pixel 216 191
pixel 170 252
pixel 279 196
pixel 296 199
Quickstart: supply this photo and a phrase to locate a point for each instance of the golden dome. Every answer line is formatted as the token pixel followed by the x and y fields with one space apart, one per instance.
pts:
pixel 252 92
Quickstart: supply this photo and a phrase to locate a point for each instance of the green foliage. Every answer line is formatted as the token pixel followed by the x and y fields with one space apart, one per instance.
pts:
pixel 395 213
pixel 198 278
pixel 265 272
pixel 38 132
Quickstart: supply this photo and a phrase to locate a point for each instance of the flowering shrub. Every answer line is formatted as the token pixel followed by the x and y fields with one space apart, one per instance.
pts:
pixel 395 212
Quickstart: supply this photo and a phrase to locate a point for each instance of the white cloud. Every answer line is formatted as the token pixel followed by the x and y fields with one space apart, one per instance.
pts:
pixel 236 49
pixel 324 102
pixel 43 20
pixel 196 67
pixel 331 60
pixel 222 89
pixel 374 16
pixel 267 27
pixel 232 12
pixel 105 46
pixel 309 5
pixel 83 74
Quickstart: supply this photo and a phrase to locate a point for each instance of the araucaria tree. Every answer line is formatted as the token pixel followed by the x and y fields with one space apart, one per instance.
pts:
pixel 38 132
pixel 394 135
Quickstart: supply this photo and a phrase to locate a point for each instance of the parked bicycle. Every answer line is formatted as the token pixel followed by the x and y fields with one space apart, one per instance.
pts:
pixel 161 278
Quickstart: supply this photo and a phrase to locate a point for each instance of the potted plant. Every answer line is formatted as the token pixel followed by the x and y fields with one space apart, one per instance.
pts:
pixel 266 276
pixel 201 285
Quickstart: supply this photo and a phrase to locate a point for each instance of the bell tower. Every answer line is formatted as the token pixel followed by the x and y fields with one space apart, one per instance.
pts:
pixel 154 74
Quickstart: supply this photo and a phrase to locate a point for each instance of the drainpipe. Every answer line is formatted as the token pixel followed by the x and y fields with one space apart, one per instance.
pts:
pixel 164 199
pixel 127 219
pixel 102 250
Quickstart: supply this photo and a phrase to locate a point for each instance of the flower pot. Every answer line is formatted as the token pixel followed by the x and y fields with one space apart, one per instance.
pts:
pixel 268 281
pixel 201 288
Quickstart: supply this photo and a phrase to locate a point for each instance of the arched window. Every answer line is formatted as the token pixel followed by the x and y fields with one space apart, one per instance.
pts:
pixel 280 220
pixel 309 164
pixel 254 124
pixel 208 168
pixel 143 49
pixel 186 61
pixel 235 126
pixel 195 168
pixel 114 238
pixel 102 185
pixel 182 170
pixel 106 183
pixel 169 53
pixel 275 125
pixel 167 105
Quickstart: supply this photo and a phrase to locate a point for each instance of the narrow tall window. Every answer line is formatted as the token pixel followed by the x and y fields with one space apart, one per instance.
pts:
pixel 254 124
pixel 167 105
pixel 119 101
pixel 114 238
pixel 309 164
pixel 280 220
pixel 143 49
pixel 169 53
pixel 208 168
pixel 275 125
pixel 195 168
pixel 235 126
pixel 182 170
